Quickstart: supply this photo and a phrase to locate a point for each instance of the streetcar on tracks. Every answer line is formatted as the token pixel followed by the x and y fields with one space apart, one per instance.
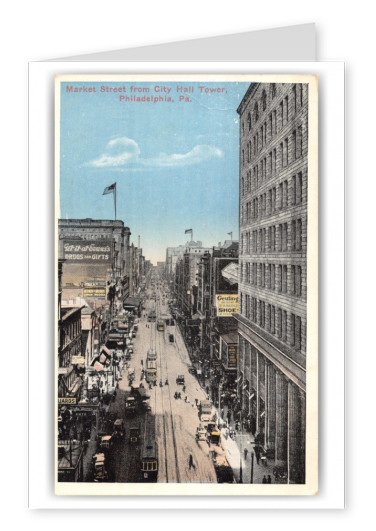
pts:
pixel 151 371
pixel 161 325
pixel 151 355
pixel 149 455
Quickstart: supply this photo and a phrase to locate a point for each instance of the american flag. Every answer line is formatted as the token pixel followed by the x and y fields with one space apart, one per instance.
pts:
pixel 109 189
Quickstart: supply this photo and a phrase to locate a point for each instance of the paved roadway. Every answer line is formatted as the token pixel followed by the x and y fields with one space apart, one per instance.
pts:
pixel 174 421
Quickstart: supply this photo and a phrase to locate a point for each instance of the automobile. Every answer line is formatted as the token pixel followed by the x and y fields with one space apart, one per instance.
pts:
pixel 192 370
pixel 119 428
pixel 201 433
pixel 180 380
pixel 130 350
pixel 171 338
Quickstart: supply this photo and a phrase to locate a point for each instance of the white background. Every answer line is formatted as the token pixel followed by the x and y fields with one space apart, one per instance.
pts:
pixel 40 29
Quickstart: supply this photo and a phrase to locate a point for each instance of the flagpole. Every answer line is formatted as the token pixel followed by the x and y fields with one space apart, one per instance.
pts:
pixel 115 200
pixel 192 235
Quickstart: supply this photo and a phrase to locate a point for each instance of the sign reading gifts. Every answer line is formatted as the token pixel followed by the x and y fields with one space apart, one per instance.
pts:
pixel 87 251
pixel 227 305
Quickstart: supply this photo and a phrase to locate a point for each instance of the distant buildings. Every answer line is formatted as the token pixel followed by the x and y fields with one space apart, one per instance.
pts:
pixel 273 269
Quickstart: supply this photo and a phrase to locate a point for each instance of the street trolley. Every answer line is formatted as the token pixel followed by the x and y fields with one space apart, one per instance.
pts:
pixel 149 455
pixel 160 325
pixel 151 371
pixel 151 355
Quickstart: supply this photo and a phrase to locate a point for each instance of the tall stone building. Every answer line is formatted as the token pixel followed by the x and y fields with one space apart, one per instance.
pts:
pixel 273 270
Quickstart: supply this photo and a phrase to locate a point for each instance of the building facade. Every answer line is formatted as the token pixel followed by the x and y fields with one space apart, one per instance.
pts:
pixel 273 269
pixel 97 258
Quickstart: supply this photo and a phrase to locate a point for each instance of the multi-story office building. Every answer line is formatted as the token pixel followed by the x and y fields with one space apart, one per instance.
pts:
pixel 273 269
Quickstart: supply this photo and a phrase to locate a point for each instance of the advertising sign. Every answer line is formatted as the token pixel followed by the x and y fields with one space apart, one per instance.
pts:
pixel 98 293
pixel 83 251
pixel 67 400
pixel 77 360
pixel 226 275
pixel 232 357
pixel 227 305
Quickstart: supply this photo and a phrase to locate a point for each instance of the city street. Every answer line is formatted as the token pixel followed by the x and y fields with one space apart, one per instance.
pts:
pixel 173 421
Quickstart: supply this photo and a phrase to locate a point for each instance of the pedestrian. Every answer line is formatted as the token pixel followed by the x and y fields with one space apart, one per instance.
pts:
pixel 264 480
pixel 196 400
pixel 269 479
pixel 191 464
pixel 257 454
pixel 185 399
pixel 245 453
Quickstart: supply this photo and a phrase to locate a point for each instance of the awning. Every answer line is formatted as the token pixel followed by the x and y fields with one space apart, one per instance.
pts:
pixel 98 366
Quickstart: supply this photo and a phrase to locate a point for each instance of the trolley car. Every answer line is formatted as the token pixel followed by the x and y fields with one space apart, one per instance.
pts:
pixel 160 325
pixel 151 371
pixel 149 455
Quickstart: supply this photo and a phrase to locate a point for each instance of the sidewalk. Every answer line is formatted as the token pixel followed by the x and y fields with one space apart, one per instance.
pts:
pixel 235 454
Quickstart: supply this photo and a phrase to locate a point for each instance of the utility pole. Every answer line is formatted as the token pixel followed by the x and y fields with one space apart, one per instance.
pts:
pixel 252 459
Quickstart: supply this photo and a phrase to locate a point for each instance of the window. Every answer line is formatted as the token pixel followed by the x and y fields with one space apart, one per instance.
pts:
pixel 286 109
pixel 272 319
pixel 273 238
pixel 294 98
pixel 279 322
pixel 299 142
pixel 273 90
pixel 296 331
pixel 271 124
pixel 294 145
pixel 272 277
pixel 280 196
pixel 274 161
pixel 281 154
pixel 281 114
pixel 299 235
pixel 279 271
pixel 263 100
pixel 284 279
pixel 275 121
pixel 270 166
pixel 285 159
pixel 298 281
pixel 293 235
pixel 243 157
pixel 256 112
pixel 249 121
pixel 285 194
pixel 263 275
pixel 262 314
pixel 284 326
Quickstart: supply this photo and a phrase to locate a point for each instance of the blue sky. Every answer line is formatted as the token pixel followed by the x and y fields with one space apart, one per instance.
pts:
pixel 176 164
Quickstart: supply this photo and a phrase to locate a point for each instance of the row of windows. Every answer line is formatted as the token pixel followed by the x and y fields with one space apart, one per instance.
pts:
pixel 69 332
pixel 287 327
pixel 287 107
pixel 66 357
pixel 289 150
pixel 276 277
pixel 281 237
pixel 287 193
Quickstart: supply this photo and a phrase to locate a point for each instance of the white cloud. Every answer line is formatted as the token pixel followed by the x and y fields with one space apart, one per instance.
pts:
pixel 118 152
pixel 198 154
pixel 124 151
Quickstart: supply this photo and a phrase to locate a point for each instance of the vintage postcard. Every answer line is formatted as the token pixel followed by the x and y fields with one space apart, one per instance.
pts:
pixel 186 284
